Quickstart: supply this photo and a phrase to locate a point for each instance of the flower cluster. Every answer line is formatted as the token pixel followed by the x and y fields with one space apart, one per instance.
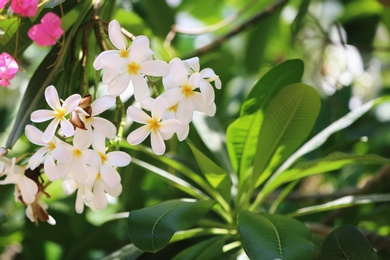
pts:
pixel 72 147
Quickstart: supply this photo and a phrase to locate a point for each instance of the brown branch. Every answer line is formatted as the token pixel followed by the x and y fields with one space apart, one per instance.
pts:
pixel 255 19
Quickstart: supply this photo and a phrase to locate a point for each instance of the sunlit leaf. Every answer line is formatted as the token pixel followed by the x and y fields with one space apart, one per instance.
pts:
pixel 242 134
pixel 343 202
pixel 267 236
pixel 287 123
pixel 151 228
pixel 347 242
pixel 332 162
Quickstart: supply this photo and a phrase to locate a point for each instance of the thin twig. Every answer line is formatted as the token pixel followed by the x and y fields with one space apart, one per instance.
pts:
pixel 240 28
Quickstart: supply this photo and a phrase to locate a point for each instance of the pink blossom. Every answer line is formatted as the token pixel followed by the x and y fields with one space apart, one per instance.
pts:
pixel 48 31
pixel 3 3
pixel 8 68
pixel 25 7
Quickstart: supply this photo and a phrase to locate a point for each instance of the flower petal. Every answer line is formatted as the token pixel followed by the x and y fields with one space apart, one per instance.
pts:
pixel 138 135
pixel 99 196
pixel 36 158
pixel 158 145
pixel 154 68
pixel 71 103
pixel 170 126
pixel 140 86
pixel 110 175
pixel 51 96
pixel 207 91
pixel 42 115
pixel 193 64
pixel 138 115
pixel 34 135
pixel 50 167
pixel 102 104
pixel 50 130
pixel 118 158
pixel 67 128
pixel 99 143
pixel 116 36
pixel 140 50
pixel 119 84
pixel 104 127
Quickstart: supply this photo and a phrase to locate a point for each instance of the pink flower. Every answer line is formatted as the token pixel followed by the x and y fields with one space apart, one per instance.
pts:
pixel 3 3
pixel 8 69
pixel 25 7
pixel 48 31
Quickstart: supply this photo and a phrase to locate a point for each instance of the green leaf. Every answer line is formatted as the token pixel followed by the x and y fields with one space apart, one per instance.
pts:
pixel 208 249
pixel 334 161
pixel 242 134
pixel 43 77
pixel 151 228
pixel 343 202
pixel 287 123
pixel 128 252
pixel 336 126
pixel 216 176
pixel 347 242
pixel 268 236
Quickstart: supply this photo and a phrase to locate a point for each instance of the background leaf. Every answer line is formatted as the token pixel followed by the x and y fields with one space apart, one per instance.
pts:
pixel 347 242
pixel 151 228
pixel 267 236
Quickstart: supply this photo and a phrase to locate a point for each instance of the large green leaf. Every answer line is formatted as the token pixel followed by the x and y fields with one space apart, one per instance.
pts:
pixel 44 76
pixel 347 242
pixel 334 161
pixel 336 126
pixel 268 236
pixel 243 133
pixel 287 123
pixel 347 201
pixel 151 228
pixel 208 249
pixel 128 252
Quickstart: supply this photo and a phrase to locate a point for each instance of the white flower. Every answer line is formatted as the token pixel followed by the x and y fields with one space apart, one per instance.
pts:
pixel 84 192
pixel 109 161
pixel 80 159
pixel 99 124
pixel 24 185
pixel 53 150
pixel 99 190
pixel 181 94
pixel 59 113
pixel 123 66
pixel 208 74
pixel 153 125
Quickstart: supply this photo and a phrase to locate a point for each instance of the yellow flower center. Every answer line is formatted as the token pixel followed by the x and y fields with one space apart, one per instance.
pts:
pixel 187 91
pixel 173 108
pixel 51 145
pixel 154 124
pixel 133 68
pixel 103 157
pixel 124 53
pixel 60 113
pixel 77 153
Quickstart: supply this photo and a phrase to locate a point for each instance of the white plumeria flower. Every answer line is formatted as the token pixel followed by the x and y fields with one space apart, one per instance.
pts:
pixel 99 124
pixel 208 74
pixel 99 190
pixel 123 66
pixel 181 94
pixel 58 113
pixel 138 64
pixel 119 55
pixel 24 186
pixel 84 192
pixel 153 125
pixel 53 150
pixel 109 161
pixel 80 159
